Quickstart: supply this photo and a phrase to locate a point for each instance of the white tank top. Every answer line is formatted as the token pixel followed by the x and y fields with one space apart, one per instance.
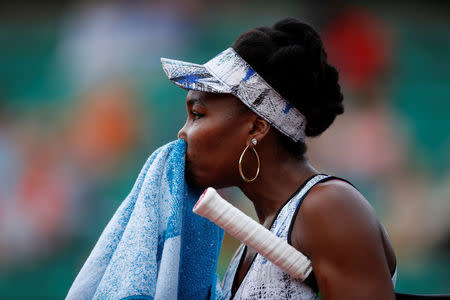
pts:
pixel 264 280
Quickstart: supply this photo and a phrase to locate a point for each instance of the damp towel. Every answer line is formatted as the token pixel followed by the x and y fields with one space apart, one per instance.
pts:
pixel 155 247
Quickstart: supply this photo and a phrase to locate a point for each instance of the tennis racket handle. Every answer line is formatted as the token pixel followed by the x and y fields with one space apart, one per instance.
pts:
pixel 213 207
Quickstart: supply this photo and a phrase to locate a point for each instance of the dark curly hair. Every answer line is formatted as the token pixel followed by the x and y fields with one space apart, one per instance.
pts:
pixel 290 56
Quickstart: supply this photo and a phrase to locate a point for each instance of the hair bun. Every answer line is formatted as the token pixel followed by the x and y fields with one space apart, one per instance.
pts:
pixel 290 56
pixel 328 102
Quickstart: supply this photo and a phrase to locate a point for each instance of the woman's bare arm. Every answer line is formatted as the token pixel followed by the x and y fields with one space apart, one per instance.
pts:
pixel 339 230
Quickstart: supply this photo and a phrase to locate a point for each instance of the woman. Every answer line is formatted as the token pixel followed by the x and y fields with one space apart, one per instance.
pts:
pixel 249 110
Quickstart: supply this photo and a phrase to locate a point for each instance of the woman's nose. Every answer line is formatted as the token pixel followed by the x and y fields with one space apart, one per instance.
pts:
pixel 182 133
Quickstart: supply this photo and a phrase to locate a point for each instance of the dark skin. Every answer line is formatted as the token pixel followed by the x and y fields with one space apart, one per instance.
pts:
pixel 336 227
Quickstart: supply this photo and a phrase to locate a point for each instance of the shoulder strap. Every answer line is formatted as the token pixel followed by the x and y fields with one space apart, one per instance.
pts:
pixel 317 179
pixel 307 187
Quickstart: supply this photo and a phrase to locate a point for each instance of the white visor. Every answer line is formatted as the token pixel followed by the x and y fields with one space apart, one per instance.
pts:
pixel 229 73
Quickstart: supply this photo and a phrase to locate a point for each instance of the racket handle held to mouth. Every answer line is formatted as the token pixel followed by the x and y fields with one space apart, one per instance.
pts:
pixel 213 207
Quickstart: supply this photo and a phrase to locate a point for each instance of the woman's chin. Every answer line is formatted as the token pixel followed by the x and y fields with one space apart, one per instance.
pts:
pixel 194 184
pixel 194 181
pixel 199 182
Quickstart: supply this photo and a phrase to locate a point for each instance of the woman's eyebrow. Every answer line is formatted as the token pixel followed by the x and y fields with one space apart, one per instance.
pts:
pixel 193 101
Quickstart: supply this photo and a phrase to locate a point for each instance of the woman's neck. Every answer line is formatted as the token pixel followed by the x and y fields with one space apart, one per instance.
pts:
pixel 277 181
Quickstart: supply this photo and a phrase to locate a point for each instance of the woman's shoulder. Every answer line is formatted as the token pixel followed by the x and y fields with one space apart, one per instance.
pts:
pixel 338 213
pixel 339 231
pixel 336 198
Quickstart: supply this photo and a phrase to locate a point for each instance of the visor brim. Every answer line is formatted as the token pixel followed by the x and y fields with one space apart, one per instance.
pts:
pixel 192 76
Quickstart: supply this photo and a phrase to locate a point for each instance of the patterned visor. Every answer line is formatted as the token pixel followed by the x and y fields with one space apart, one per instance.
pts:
pixel 229 73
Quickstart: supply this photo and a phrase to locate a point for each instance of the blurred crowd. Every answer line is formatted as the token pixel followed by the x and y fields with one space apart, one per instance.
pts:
pixel 83 102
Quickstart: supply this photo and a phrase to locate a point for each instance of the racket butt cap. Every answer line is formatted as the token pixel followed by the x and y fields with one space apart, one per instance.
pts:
pixel 202 202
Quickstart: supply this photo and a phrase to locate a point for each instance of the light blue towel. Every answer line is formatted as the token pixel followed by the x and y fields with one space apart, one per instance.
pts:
pixel 155 247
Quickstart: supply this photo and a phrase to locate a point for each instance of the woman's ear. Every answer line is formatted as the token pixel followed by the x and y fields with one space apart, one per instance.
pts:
pixel 260 129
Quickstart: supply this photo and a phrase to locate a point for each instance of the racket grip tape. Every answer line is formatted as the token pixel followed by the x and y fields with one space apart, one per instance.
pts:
pixel 213 207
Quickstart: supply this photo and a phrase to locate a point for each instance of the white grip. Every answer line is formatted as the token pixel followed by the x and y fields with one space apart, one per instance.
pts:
pixel 213 207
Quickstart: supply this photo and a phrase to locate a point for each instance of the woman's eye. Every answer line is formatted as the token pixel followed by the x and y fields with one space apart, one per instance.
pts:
pixel 196 114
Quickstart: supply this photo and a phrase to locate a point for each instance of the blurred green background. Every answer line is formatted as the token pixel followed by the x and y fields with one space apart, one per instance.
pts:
pixel 83 102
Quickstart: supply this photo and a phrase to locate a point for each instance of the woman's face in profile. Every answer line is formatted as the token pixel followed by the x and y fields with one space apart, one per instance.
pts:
pixel 216 132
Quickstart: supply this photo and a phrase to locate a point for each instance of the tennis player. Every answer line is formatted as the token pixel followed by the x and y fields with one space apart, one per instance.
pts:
pixel 249 111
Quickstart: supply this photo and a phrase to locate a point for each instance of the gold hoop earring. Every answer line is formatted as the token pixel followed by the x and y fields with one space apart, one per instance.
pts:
pixel 240 163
